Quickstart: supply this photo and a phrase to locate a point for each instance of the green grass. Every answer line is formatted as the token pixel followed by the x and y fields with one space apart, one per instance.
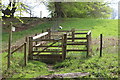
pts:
pixel 98 26
pixel 17 69
pixel 106 66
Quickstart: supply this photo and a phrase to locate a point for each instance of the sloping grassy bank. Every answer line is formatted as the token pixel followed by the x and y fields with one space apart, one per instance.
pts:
pixel 106 66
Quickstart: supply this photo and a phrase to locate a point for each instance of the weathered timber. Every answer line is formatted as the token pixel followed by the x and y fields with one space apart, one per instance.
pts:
pixel 64 44
pixel 45 51
pixel 75 50
pixel 101 40
pixel 48 46
pixel 83 38
pixel 78 43
pixel 80 33
pixel 25 54
pixel 65 75
pixel 30 48
pixel 40 35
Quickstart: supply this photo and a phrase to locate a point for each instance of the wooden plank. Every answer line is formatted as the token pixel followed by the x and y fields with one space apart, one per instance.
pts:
pixel 25 55
pixel 73 35
pixel 83 38
pixel 40 35
pixel 80 33
pixel 9 46
pixel 48 55
pixel 46 51
pixel 17 48
pixel 64 46
pixel 101 45
pixel 87 45
pixel 36 43
pixel 49 33
pixel 89 32
pixel 75 50
pixel 65 75
pixel 30 48
pixel 80 43
pixel 48 46
pixel 47 40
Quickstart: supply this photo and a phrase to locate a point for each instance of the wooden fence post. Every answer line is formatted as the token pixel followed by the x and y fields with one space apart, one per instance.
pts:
pixel 101 45
pixel 49 33
pixel 30 48
pixel 36 44
pixel 73 34
pixel 9 46
pixel 64 44
pixel 90 42
pixel 25 54
pixel 42 31
pixel 87 36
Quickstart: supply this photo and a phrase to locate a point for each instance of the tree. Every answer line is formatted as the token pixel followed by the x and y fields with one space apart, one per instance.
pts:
pixel 80 9
pixel 10 10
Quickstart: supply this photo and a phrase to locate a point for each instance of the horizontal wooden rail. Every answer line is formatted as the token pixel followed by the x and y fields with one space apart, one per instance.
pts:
pixel 77 38
pixel 48 46
pixel 40 35
pixel 46 40
pixel 45 51
pixel 80 33
pixel 75 50
pixel 81 43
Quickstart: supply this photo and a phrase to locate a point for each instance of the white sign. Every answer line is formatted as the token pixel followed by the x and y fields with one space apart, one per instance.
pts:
pixel 13 28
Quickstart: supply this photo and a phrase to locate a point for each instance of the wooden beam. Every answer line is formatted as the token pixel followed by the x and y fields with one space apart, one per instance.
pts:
pixel 40 35
pixel 83 38
pixel 75 50
pixel 64 46
pixel 81 33
pixel 46 51
pixel 48 46
pixel 78 43
pixel 101 40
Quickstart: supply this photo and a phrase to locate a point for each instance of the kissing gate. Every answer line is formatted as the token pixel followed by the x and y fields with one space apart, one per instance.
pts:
pixel 53 45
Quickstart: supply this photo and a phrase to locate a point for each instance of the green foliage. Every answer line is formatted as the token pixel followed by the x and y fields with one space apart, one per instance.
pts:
pixel 83 9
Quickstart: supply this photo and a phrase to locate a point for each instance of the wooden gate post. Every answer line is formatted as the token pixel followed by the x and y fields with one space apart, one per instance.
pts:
pixel 90 42
pixel 73 34
pixel 36 44
pixel 49 33
pixel 9 46
pixel 30 57
pixel 25 54
pixel 64 45
pixel 101 45
pixel 87 45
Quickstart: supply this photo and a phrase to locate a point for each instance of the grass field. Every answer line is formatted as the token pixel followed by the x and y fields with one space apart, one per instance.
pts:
pixel 106 66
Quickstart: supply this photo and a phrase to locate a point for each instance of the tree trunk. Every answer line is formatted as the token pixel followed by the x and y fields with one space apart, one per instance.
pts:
pixel 58 9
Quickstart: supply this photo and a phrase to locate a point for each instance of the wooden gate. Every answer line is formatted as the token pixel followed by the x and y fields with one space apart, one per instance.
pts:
pixel 44 43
